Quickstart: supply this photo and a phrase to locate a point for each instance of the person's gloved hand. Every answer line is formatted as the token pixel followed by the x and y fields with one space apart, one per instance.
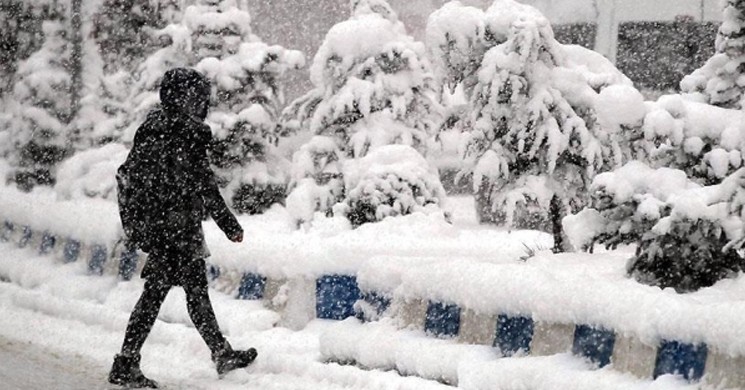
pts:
pixel 237 237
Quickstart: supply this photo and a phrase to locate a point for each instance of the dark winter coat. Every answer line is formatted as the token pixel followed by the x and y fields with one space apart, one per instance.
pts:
pixel 169 159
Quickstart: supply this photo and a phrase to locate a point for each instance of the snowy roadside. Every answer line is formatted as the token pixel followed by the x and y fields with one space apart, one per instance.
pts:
pixel 61 328
pixel 26 366
pixel 59 310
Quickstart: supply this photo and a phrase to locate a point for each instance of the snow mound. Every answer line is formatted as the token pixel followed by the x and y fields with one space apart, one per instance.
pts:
pixel 91 174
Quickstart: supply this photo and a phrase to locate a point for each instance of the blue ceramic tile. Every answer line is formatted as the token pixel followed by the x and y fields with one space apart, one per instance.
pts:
pixel 336 296
pixel 442 320
pixel 514 334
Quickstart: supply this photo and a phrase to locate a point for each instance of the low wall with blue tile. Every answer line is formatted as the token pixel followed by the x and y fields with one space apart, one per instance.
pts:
pixel 336 296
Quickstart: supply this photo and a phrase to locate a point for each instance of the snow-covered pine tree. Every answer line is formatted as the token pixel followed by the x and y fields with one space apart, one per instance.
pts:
pixel 43 108
pixel 457 39
pixel 21 23
pixel 208 28
pixel 720 80
pixel 176 51
pixel 245 119
pixel 373 88
pixel 122 34
pixel 535 139
pixel 215 38
pixel 122 30
pixel 700 131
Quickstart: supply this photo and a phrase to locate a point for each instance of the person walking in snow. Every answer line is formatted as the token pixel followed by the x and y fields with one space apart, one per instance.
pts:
pixel 165 187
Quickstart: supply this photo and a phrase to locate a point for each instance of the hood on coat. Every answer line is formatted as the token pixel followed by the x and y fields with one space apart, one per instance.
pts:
pixel 187 91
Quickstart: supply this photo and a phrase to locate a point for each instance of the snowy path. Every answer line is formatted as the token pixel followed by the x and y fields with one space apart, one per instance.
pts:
pixel 60 329
pixel 25 366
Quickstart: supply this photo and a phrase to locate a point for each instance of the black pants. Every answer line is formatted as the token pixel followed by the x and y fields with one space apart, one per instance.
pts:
pixel 198 304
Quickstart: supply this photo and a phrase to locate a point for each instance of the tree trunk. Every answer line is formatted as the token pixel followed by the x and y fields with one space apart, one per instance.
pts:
pixel 556 215
pixel 76 57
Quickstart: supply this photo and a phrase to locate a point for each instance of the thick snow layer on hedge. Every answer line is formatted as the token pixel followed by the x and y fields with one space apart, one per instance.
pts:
pixel 273 247
pixel 637 178
pixel 475 268
pixel 635 199
pixel 89 220
pixel 91 173
pixel 704 140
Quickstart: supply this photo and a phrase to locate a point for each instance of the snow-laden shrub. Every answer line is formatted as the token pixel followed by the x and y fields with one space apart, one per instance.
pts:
pixel 687 235
pixel 91 173
pixel 42 109
pixel 538 128
pixel 703 140
pixel 626 203
pixel 244 121
pixel 373 87
pixel 390 181
pixel 317 182
pixel 690 255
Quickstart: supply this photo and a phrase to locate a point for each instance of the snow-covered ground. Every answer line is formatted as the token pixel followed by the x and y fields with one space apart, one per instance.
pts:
pixel 61 327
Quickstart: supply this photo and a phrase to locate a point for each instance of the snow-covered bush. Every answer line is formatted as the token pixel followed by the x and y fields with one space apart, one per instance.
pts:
pixel 687 235
pixel 42 109
pixel 372 87
pixel 122 28
pixel 91 173
pixel 626 204
pixel 536 138
pixel 690 255
pixel 121 37
pixel 244 121
pixel 703 140
pixel 719 81
pixel 698 243
pixel 685 215
pixel 317 181
pixel 103 115
pixel 176 52
pixel 391 180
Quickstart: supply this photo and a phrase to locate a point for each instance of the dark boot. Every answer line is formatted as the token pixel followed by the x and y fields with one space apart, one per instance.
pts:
pixel 227 359
pixel 126 372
